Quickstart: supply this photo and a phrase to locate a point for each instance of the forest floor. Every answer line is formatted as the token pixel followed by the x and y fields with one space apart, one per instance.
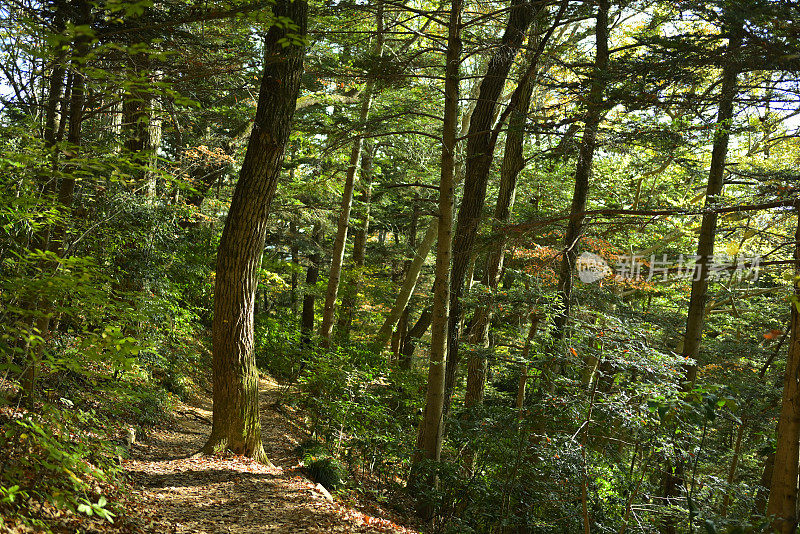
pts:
pixel 175 493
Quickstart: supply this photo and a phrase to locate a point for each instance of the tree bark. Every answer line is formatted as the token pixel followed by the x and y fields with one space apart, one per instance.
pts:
pixel 513 163
pixel 236 422
pixel 309 299
pixel 783 490
pixel 431 442
pixel 423 249
pixel 335 273
pixel 409 344
pixel 353 283
pixel 409 283
pixel 403 325
pixel 762 495
pixel 583 170
pixel 480 151
pixel 136 107
pixel 708 227
pixel 56 88
pixel 54 239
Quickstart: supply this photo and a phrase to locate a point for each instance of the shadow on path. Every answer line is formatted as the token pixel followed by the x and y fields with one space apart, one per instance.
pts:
pixel 233 494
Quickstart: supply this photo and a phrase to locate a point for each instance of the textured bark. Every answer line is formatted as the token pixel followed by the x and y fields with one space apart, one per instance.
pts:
pixel 783 489
pixel 409 343
pixel 409 283
pixel 295 252
pixel 309 299
pixel 480 151
pixel 583 169
pixel 431 427
pixel 354 278
pixel 708 228
pixel 335 273
pixel 236 423
pixel 513 163
pixel 423 249
pixel 695 317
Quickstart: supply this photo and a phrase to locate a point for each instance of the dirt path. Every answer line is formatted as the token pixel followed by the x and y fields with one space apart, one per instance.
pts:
pixel 233 494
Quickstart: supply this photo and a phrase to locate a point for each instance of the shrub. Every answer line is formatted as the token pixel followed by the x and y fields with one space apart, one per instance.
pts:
pixel 326 471
pixel 62 458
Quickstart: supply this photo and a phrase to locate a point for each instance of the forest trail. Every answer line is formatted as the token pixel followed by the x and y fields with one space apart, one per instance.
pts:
pixel 233 494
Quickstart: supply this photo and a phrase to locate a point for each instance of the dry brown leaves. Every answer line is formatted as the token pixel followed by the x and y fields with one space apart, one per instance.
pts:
pixel 172 493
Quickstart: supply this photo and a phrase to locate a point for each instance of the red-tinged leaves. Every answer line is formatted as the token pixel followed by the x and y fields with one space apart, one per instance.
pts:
pixel 772 334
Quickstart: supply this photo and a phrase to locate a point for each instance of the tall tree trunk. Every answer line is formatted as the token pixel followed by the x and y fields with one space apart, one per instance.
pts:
pixel 708 228
pixel 409 343
pixel 409 283
pixel 236 422
pixel 309 299
pixel 136 106
pixel 762 495
pixel 295 252
pixel 431 427
pixel 411 244
pixel 335 273
pixel 424 247
pixel 783 490
pixel 397 335
pixel 141 125
pixel 66 190
pixel 583 169
pixel 154 135
pixel 513 163
pixel 56 88
pixel 353 283
pixel 480 151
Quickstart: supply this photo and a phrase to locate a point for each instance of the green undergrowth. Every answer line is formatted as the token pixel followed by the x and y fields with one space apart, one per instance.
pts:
pixel 359 409
pixel 321 466
pixel 61 466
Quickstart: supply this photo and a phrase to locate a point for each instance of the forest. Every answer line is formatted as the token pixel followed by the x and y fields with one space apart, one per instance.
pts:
pixel 406 266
